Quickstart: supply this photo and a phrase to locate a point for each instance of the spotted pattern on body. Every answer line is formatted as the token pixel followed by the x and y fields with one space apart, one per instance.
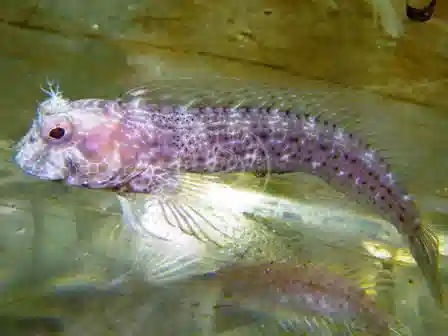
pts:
pixel 271 141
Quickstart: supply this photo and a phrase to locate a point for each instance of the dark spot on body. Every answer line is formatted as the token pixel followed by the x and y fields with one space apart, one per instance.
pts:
pixel 263 136
pixel 32 138
pixel 323 147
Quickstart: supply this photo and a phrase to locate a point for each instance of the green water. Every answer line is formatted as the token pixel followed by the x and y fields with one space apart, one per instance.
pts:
pixel 52 235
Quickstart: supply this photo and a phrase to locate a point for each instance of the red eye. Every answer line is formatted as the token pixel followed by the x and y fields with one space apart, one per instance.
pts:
pixel 56 133
pixel 56 129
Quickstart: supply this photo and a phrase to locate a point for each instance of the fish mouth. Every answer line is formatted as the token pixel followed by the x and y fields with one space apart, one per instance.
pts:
pixel 44 175
pixel 32 167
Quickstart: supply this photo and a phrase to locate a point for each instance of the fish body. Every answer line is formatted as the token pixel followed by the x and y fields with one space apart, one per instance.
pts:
pixel 144 143
pixel 302 296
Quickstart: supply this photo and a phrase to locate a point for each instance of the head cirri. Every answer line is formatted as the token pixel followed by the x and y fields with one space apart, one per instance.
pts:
pixel 81 142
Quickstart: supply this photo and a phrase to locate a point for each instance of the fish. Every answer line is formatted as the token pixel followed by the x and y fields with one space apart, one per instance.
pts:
pixel 299 298
pixel 151 137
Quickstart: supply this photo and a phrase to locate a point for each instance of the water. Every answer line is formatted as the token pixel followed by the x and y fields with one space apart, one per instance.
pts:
pixel 54 235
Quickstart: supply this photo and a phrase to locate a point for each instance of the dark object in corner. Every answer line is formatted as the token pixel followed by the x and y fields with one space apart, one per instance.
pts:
pixel 30 325
pixel 421 14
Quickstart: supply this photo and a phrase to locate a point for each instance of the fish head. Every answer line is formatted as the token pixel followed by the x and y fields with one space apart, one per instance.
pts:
pixel 98 144
pixel 76 142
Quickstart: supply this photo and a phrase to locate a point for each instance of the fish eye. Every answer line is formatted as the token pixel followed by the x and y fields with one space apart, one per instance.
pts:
pixel 56 130
pixel 57 133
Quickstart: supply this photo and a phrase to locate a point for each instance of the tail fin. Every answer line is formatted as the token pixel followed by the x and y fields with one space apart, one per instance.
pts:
pixel 424 247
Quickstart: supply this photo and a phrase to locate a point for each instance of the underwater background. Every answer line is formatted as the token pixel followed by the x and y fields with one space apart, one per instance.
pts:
pixel 60 248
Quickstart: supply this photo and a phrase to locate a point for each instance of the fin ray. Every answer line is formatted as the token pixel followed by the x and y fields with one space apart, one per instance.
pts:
pixel 424 246
pixel 186 233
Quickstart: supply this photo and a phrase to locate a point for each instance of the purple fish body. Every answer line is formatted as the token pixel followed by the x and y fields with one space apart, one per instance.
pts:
pixel 289 292
pixel 271 141
pixel 140 146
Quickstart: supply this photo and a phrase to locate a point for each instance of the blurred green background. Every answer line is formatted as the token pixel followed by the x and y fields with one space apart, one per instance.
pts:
pixel 51 235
